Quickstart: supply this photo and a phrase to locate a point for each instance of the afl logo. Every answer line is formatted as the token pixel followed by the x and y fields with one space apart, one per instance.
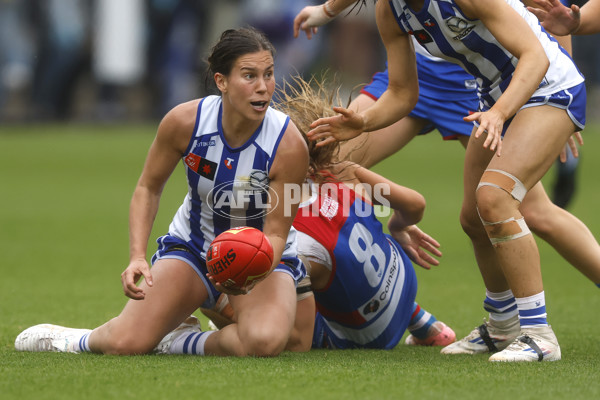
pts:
pixel 245 198
pixel 460 26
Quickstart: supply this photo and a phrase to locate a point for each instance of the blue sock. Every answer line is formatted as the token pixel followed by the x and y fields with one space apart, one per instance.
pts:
pixel 501 306
pixel 190 343
pixel 420 322
pixel 532 310
pixel 598 284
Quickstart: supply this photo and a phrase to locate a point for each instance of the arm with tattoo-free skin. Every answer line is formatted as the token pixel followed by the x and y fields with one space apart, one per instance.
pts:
pixel 561 20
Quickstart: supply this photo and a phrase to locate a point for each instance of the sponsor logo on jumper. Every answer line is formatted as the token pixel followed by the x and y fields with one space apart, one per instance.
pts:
pixel 210 143
pixel 201 166
pixel 460 26
pixel 422 36
pixel 371 306
pixel 229 162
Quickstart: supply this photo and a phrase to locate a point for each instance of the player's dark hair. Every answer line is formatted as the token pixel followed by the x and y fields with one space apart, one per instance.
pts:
pixel 233 44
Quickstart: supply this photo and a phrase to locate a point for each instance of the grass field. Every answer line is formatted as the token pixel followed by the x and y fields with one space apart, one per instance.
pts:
pixel 63 234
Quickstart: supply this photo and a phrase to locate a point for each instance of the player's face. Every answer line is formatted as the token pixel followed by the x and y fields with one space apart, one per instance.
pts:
pixel 250 85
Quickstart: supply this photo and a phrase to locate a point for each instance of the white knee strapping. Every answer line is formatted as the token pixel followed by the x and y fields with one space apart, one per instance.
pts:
pixel 505 181
pixel 509 229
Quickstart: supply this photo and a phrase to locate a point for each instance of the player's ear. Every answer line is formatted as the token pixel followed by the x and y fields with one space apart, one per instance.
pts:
pixel 221 82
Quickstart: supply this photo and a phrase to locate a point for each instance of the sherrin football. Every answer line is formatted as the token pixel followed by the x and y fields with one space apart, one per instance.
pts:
pixel 239 256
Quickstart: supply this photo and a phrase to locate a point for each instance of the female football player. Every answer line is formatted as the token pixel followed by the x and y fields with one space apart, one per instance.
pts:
pixel 228 143
pixel 532 98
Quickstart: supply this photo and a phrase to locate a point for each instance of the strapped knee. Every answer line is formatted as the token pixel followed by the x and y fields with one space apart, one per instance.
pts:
pixel 505 181
pixel 503 231
pixel 511 228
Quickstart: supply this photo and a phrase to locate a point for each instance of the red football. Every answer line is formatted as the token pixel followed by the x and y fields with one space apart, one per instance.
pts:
pixel 239 256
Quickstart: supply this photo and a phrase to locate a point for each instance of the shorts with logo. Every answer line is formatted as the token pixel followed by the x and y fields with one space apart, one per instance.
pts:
pixel 446 95
pixel 175 248
pixel 572 100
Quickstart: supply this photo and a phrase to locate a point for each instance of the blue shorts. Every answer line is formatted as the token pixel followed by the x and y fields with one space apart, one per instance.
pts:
pixel 442 113
pixel 173 247
pixel 572 100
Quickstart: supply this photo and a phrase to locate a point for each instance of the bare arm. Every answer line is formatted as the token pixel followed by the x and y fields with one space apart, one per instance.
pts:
pixel 408 207
pixel 531 68
pixel 590 18
pixel 395 103
pixel 407 203
pixel 174 133
pixel 311 17
pixel 289 168
pixel 561 20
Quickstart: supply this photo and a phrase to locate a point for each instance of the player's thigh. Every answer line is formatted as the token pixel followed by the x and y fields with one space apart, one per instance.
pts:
pixel 477 159
pixel 269 310
pixel 177 291
pixel 372 147
pixel 532 143
pixel 302 333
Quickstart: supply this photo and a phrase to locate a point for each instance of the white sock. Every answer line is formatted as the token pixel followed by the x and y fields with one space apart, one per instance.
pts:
pixel 532 310
pixel 501 306
pixel 190 343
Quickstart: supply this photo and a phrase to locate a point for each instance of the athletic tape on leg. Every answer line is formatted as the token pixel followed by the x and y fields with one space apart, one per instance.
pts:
pixel 505 181
pixel 509 229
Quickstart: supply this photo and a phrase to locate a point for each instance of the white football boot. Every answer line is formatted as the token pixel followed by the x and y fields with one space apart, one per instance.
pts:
pixel 191 324
pixel 53 338
pixel 489 337
pixel 533 344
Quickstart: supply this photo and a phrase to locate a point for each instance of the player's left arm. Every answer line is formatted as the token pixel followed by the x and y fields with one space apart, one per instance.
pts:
pixel 289 169
pixel 407 203
pixel 394 104
pixel 590 18
pixel 519 39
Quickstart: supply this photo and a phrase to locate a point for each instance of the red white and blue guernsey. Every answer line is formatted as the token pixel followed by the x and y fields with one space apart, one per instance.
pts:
pixel 444 31
pixel 369 299
pixel 227 188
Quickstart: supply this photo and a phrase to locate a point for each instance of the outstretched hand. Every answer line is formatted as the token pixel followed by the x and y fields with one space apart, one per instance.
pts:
pixel 572 145
pixel 418 245
pixel 491 123
pixel 134 271
pixel 344 126
pixel 557 18
pixel 309 19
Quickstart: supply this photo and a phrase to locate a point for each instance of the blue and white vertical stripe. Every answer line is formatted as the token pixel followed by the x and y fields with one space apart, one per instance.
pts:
pixel 231 198
pixel 444 31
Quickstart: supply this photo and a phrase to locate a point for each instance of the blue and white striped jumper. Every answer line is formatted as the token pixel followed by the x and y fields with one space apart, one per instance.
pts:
pixel 444 31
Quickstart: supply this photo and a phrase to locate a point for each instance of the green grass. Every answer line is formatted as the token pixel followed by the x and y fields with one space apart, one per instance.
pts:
pixel 63 232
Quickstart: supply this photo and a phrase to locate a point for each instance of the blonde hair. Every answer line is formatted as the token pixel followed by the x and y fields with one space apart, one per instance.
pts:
pixel 305 102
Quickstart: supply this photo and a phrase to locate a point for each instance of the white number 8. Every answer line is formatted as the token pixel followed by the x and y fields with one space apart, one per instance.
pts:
pixel 366 252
